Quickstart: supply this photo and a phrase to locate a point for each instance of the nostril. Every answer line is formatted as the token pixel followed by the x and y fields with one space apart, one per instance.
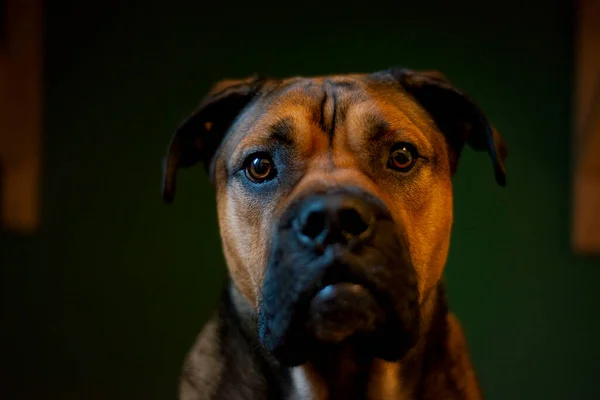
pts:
pixel 351 222
pixel 314 224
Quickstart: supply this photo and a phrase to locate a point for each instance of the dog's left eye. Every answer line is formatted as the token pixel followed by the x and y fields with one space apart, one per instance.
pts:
pixel 259 168
pixel 403 157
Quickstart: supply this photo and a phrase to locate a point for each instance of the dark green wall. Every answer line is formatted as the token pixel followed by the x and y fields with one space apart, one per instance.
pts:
pixel 106 299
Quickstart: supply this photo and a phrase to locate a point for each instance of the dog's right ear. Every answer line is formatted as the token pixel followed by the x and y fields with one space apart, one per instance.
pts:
pixel 198 137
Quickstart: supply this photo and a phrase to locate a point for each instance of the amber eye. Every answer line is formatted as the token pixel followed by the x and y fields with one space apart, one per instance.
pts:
pixel 259 168
pixel 403 157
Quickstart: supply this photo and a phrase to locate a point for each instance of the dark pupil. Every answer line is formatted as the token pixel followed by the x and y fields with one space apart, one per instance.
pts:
pixel 261 166
pixel 402 157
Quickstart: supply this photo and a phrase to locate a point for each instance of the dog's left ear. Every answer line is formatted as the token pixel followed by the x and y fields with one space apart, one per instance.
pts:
pixel 456 115
pixel 198 137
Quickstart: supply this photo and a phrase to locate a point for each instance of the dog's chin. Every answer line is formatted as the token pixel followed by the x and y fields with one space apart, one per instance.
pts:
pixel 352 314
pixel 344 314
pixel 343 310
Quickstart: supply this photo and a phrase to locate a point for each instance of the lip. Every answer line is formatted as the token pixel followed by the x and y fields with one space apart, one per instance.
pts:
pixel 341 310
pixel 341 272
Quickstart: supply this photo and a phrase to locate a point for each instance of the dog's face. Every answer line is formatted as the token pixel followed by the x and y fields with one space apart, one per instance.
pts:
pixel 335 200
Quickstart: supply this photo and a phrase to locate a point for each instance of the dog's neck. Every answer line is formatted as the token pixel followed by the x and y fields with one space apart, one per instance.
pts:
pixel 335 374
pixel 436 367
pixel 342 373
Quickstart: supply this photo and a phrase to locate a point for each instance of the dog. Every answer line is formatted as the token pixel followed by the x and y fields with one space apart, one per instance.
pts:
pixel 335 207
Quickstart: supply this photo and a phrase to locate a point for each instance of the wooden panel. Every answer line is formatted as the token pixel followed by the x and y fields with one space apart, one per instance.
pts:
pixel 586 191
pixel 20 113
pixel 587 194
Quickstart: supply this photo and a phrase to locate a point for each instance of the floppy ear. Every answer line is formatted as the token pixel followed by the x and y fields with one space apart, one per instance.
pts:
pixel 456 116
pixel 198 137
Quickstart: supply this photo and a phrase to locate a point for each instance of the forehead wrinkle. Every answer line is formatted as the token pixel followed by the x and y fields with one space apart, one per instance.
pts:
pixel 347 92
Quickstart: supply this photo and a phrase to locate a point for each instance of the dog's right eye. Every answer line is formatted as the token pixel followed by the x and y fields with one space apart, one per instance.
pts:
pixel 259 168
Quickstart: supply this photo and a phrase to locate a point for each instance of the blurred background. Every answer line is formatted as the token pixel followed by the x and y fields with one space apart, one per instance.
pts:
pixel 104 287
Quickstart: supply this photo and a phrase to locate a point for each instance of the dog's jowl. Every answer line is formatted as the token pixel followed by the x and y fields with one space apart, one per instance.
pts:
pixel 334 199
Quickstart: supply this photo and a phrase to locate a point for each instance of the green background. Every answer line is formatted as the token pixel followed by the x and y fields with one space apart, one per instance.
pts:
pixel 106 299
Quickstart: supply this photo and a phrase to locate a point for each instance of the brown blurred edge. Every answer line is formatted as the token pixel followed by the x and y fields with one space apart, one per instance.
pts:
pixel 21 66
pixel 586 190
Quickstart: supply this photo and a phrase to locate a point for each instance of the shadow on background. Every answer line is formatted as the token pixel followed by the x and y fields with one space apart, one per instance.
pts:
pixel 106 299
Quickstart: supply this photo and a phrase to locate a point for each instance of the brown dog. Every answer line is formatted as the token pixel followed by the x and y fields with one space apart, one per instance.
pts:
pixel 334 200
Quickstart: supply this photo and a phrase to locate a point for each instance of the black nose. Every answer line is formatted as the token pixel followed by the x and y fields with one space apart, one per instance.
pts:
pixel 330 219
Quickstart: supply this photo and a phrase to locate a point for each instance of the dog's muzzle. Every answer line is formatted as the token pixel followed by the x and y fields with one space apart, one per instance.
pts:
pixel 339 272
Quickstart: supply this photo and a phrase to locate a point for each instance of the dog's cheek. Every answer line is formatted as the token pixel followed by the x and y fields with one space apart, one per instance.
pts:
pixel 237 272
pixel 436 240
pixel 244 234
pixel 429 239
pixel 233 261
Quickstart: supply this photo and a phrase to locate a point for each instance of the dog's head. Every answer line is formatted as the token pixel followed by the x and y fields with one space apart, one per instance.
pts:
pixel 335 199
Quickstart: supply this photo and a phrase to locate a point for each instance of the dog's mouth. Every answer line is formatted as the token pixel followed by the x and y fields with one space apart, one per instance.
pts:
pixel 345 302
pixel 342 310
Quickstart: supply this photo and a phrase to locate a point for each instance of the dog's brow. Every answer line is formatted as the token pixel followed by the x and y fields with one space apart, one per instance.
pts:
pixel 282 131
pixel 376 127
